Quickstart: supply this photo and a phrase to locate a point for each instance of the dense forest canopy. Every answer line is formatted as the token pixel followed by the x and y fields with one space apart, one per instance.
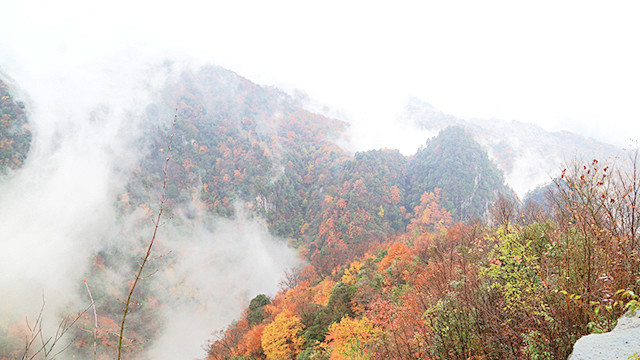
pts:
pixel 239 142
pixel 427 256
pixel 15 134
pixel 528 286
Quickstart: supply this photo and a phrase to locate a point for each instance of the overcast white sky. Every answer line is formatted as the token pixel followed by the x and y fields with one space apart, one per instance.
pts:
pixel 571 65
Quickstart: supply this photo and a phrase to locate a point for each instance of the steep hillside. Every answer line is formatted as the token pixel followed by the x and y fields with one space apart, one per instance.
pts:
pixel 456 164
pixel 451 291
pixel 250 172
pixel 364 207
pixel 15 135
pixel 242 145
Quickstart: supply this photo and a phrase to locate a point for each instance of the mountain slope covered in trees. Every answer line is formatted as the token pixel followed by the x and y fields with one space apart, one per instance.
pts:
pixel 525 288
pixel 240 144
pixel 15 134
pixel 425 256
pixel 243 150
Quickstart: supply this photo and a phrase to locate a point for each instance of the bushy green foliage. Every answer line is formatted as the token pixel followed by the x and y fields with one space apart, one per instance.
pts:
pixel 312 353
pixel 454 328
pixel 536 347
pixel 340 302
pixel 255 313
pixel 513 271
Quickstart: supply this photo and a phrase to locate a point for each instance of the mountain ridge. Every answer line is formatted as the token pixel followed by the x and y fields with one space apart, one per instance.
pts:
pixel 528 154
pixel 252 171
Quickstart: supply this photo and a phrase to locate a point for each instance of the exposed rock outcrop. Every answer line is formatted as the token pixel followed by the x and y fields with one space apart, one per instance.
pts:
pixel 623 342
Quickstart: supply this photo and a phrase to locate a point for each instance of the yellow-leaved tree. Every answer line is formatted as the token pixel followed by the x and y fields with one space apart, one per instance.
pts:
pixel 281 339
pixel 351 339
pixel 351 274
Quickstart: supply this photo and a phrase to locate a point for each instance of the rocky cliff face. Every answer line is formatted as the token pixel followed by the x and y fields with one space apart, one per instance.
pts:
pixel 623 342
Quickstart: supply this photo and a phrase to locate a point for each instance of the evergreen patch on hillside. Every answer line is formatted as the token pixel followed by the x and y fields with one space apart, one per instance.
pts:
pixel 15 134
pixel 456 164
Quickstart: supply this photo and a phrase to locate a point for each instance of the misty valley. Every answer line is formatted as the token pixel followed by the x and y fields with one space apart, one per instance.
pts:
pixel 205 216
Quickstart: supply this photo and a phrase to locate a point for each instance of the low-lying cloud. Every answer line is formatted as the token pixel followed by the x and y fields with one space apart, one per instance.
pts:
pixel 58 210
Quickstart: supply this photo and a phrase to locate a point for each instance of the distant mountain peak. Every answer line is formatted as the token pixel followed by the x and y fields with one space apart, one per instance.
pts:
pixel 527 154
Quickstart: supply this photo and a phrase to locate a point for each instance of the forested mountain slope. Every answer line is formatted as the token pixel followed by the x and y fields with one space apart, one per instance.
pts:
pixel 526 288
pixel 15 135
pixel 243 151
pixel 456 164
pixel 238 143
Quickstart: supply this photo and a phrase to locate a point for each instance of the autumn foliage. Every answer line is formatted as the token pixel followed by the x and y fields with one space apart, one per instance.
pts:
pixel 281 339
pixel 427 256
pixel 445 290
